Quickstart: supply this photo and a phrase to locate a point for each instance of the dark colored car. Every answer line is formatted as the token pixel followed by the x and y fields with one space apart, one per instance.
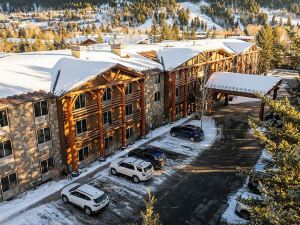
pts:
pixel 191 132
pixel 150 154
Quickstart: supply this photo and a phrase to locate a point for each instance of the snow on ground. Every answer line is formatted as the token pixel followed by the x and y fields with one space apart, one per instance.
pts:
pixel 123 193
pixel 195 11
pixel 229 215
pixel 279 14
pixel 28 198
pixel 239 100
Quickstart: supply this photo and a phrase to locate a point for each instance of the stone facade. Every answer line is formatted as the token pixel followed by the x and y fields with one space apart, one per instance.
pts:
pixel 27 154
pixel 154 84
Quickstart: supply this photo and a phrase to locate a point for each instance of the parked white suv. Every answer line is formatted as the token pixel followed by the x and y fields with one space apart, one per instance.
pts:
pixel 87 197
pixel 137 169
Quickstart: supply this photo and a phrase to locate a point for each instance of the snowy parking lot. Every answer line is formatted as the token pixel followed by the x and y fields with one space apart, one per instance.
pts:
pixel 126 197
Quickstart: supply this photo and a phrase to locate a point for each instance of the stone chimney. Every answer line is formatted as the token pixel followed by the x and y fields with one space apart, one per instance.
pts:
pixel 119 49
pixel 78 51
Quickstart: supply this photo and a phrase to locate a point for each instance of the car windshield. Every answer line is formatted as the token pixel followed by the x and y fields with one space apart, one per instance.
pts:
pixel 147 168
pixel 74 188
pixel 101 198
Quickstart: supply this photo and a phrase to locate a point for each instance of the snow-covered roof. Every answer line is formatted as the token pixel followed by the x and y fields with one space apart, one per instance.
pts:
pixel 22 73
pixel 242 83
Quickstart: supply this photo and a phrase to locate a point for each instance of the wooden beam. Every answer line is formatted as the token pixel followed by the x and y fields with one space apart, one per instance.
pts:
pixel 143 108
pixel 185 92
pixel 262 110
pixel 123 113
pixel 72 135
pixel 99 94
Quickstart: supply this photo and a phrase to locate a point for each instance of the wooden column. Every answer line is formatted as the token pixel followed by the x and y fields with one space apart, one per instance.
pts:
pixel 123 113
pixel 99 94
pixel 173 107
pixel 275 93
pixel 262 111
pixel 72 134
pixel 143 108
pixel 226 99
pixel 185 93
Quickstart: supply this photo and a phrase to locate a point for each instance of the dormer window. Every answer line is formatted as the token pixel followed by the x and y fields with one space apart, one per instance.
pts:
pixel 40 108
pixel 128 90
pixel 80 101
pixel 3 118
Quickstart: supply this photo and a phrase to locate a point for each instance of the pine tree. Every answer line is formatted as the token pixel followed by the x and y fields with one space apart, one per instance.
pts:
pixel 294 49
pixel 289 21
pixel 154 32
pixel 278 49
pixel 149 216
pixel 264 40
pixel 280 187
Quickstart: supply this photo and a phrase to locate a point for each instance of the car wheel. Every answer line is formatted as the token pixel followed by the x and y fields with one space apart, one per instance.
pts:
pixel 65 199
pixel 135 179
pixel 113 171
pixel 192 139
pixel 173 134
pixel 88 210
pixel 245 214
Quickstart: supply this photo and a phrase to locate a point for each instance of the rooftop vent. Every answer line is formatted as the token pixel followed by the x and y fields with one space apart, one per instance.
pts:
pixel 78 51
pixel 119 49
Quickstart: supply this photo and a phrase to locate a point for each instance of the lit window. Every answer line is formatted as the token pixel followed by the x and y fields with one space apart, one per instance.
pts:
pixel 80 101
pixel 40 108
pixel 43 135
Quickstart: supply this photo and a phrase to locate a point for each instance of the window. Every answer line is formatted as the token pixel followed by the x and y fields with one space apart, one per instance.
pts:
pixel 177 76
pixel 128 133
pixel 157 96
pixel 44 135
pixel 131 167
pixel 5 149
pixel 177 92
pixel 81 126
pixel 107 94
pixel 108 142
pixel 107 118
pixel 128 109
pixel 9 182
pixel 157 79
pixel 80 101
pixel 3 118
pixel 128 89
pixel 40 108
pixel 83 153
pixel 139 169
pixel 47 165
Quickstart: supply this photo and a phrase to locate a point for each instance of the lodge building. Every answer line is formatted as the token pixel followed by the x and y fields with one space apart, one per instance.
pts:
pixel 65 109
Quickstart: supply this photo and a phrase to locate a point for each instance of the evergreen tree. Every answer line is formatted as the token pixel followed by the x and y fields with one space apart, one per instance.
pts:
pixel 264 40
pixel 154 32
pixel 278 49
pixel 289 21
pixel 149 216
pixel 280 187
pixel 294 49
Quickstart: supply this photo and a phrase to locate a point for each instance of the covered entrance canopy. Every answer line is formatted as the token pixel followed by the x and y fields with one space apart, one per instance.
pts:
pixel 246 85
